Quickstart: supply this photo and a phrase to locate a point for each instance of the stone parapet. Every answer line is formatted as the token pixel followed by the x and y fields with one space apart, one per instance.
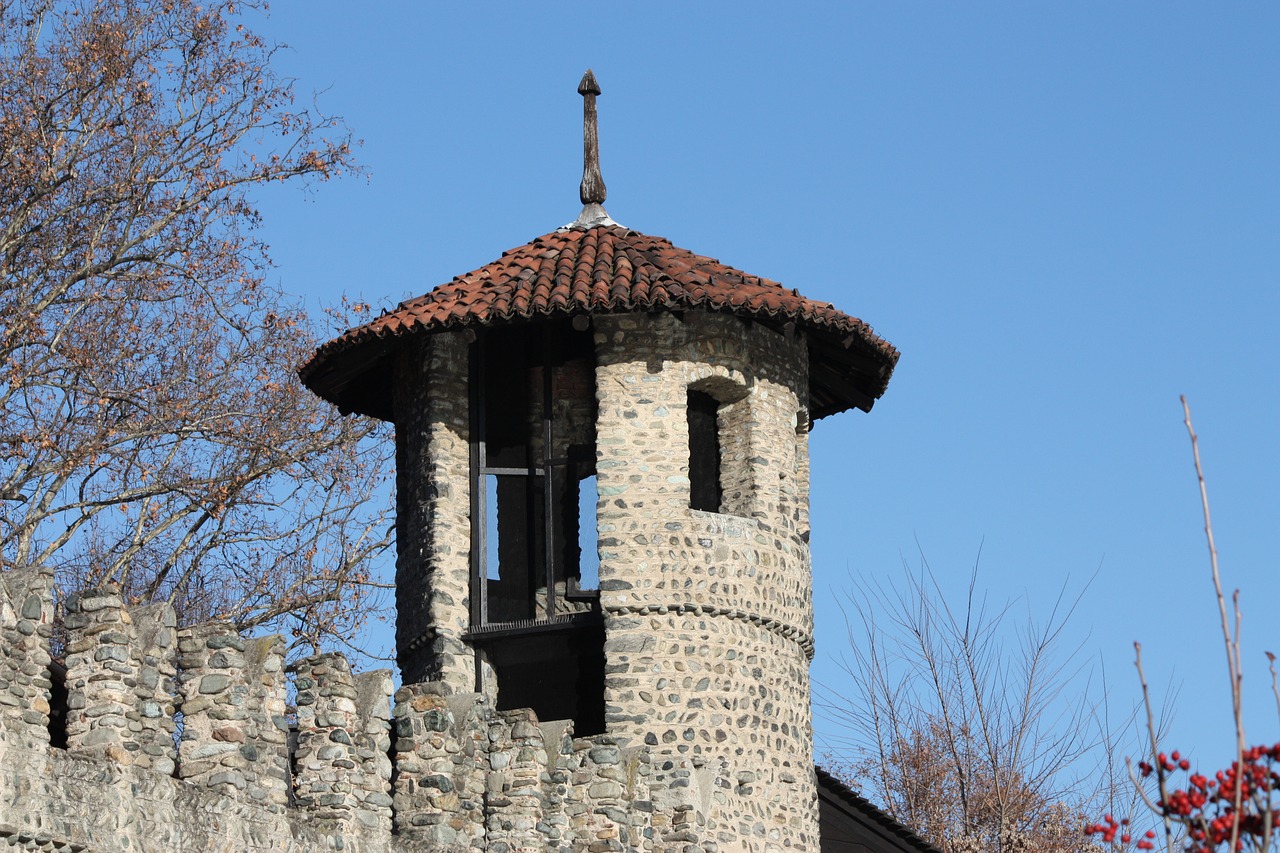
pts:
pixel 234 730
pixel 52 800
pixel 458 775
pixel 517 765
pixel 441 759
pixel 26 625
pixel 372 740
pixel 154 658
pixel 119 679
pixel 609 806
pixel 341 770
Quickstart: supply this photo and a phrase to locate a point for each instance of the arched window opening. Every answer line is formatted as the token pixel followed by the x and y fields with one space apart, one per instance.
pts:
pixel 704 452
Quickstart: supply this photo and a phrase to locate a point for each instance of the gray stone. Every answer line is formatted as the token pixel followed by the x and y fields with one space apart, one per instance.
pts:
pixel 208 750
pixel 115 653
pixel 605 754
pixel 229 777
pixel 214 683
pixel 32 607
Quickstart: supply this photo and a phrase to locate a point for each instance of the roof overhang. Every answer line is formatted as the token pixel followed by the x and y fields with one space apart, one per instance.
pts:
pixel 597 271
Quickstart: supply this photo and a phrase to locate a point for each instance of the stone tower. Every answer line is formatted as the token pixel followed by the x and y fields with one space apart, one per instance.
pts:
pixel 602 475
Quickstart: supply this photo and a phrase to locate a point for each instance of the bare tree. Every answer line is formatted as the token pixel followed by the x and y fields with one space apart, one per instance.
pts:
pixel 1232 809
pixel 152 430
pixel 976 742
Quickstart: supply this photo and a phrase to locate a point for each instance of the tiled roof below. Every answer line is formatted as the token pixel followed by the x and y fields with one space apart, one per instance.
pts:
pixel 609 269
pixel 851 822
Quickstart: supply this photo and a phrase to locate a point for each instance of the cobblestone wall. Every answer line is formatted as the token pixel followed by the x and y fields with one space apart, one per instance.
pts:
pixel 26 624
pixel 123 670
pixel 433 514
pixel 444 771
pixel 709 615
pixel 708 636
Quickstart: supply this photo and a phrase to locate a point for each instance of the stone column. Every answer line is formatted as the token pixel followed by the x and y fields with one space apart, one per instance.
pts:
pixel 433 493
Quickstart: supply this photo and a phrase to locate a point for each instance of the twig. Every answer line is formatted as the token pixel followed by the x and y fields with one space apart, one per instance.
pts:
pixel 1155 753
pixel 1231 644
pixel 1275 686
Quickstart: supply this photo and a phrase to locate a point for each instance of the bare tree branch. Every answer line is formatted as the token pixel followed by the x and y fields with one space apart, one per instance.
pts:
pixel 152 429
pixel 971 741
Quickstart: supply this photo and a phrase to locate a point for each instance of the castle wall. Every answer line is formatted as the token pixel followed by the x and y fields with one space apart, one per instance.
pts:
pixel 442 772
pixel 709 615
pixel 179 738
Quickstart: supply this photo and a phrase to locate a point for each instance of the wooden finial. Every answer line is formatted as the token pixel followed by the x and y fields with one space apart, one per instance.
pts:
pixel 592 190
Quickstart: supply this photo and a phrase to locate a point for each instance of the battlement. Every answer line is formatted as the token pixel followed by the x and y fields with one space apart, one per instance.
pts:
pixel 26 626
pixel 182 738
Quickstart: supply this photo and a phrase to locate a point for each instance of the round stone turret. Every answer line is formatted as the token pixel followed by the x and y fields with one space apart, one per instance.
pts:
pixel 602 486
pixel 602 474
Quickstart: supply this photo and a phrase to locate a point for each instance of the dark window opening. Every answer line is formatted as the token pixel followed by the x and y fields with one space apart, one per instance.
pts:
pixel 515 556
pixel 179 719
pixel 534 474
pixel 535 565
pixel 557 673
pixel 291 753
pixel 704 452
pixel 57 705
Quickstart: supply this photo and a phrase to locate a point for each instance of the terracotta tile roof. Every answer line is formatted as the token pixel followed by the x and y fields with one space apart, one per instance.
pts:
pixel 608 269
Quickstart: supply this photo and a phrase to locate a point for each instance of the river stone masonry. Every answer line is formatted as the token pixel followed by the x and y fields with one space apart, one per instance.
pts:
pixel 26 625
pixel 442 771
pixel 592 361
pixel 709 615
pixel 705 617
pixel 433 512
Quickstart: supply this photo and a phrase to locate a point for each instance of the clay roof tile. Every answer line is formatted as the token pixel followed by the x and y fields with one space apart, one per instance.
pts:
pixel 607 268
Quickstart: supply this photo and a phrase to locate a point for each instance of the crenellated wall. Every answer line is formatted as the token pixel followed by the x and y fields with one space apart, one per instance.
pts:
pixel 441 771
pixel 26 625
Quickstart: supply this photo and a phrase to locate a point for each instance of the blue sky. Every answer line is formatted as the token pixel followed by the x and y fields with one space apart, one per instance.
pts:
pixel 1063 215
